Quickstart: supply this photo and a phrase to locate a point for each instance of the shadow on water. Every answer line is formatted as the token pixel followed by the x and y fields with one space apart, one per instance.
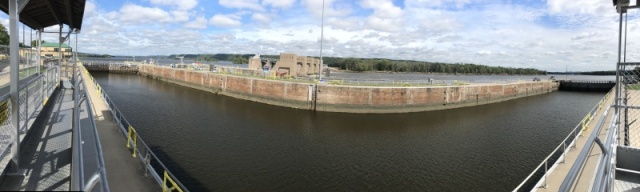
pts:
pixel 190 182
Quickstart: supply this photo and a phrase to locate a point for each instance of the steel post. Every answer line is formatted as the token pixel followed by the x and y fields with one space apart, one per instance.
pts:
pixel 14 79
pixel 617 101
pixel 60 48
pixel 321 41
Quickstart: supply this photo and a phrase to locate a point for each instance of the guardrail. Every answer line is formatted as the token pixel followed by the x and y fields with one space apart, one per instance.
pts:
pixel 569 140
pixel 34 91
pixel 78 179
pixel 140 149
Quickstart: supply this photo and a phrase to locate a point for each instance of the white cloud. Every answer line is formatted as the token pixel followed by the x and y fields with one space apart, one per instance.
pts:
pixel 198 23
pixel 135 14
pixel 261 17
pixel 222 20
pixel 180 16
pixel 436 3
pixel 592 7
pixel 179 4
pixel 242 4
pixel 386 16
pixel 331 8
pixel 279 3
pixel 510 35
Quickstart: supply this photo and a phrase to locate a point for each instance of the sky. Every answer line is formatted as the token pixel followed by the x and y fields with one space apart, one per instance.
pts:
pixel 549 35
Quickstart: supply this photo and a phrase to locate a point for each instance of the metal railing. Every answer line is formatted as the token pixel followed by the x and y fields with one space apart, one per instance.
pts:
pixel 140 150
pixel 99 175
pixel 568 142
pixel 34 91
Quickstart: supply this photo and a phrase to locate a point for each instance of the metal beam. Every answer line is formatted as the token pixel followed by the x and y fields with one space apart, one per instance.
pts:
pixel 22 4
pixel 13 81
pixel 57 32
pixel 26 18
pixel 53 11
pixel 69 13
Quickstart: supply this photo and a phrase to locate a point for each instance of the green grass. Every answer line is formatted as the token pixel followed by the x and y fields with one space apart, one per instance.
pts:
pixel 633 87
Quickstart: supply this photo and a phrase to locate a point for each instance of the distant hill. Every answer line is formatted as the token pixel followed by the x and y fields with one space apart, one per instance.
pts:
pixel 376 64
pixel 371 64
pixel 81 54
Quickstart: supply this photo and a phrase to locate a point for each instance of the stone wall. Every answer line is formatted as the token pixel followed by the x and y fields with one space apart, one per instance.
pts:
pixel 351 99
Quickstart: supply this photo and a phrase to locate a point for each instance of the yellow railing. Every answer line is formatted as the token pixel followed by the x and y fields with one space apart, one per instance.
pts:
pixel 132 137
pixel 174 186
pixel 132 142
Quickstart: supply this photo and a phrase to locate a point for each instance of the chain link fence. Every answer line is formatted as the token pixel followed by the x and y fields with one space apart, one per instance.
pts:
pixel 630 113
pixel 34 91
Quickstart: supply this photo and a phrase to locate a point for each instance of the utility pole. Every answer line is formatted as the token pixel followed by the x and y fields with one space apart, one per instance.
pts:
pixel 321 41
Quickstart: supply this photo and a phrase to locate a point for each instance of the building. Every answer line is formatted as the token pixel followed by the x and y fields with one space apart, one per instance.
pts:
pixel 50 50
pixel 288 64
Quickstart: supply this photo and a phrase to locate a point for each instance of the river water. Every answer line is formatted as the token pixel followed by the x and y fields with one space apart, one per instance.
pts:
pixel 218 143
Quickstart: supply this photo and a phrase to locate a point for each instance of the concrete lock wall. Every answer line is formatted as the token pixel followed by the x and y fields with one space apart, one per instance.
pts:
pixel 351 99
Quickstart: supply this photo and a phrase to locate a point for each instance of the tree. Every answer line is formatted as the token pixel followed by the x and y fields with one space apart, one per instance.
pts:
pixel 34 43
pixel 4 35
pixel 239 59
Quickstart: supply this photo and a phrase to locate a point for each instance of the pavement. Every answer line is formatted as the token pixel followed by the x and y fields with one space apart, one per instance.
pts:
pixel 560 171
pixel 124 172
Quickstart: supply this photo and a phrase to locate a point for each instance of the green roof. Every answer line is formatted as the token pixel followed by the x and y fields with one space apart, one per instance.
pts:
pixel 48 44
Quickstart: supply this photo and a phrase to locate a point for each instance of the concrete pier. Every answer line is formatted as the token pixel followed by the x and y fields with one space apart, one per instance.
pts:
pixel 347 98
pixel 587 86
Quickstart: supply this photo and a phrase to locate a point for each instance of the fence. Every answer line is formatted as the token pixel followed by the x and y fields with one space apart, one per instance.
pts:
pixel 34 91
pixel 140 149
pixel 556 156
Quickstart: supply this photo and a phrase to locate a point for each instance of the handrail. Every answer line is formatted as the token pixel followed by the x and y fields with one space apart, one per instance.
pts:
pixel 582 124
pixel 80 90
pixel 23 86
pixel 569 180
pixel 124 125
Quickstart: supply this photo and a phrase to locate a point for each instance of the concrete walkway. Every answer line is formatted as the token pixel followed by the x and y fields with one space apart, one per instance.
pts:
pixel 124 172
pixel 583 182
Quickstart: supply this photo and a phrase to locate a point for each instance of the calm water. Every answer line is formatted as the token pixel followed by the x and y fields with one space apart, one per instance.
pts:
pixel 220 143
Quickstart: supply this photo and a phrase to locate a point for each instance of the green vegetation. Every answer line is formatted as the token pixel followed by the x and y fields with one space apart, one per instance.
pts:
pixel 34 43
pixel 206 58
pixel 362 64
pixel 4 35
pixel 239 59
pixel 80 54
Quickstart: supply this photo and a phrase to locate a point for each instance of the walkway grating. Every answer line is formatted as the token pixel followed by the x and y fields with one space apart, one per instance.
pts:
pixel 46 152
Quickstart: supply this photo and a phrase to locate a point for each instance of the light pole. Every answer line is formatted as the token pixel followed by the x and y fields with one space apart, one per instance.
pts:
pixel 321 40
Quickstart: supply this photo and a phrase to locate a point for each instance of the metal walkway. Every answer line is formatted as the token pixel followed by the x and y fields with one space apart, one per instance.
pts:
pixel 46 152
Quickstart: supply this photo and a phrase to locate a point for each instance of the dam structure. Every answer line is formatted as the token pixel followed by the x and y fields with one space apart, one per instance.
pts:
pixel 348 98
pixel 61 131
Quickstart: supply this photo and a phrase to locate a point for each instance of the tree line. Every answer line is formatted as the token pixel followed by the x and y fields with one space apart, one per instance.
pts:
pixel 362 64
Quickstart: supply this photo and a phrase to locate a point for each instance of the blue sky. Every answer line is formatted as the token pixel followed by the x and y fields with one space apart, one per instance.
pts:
pixel 547 35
